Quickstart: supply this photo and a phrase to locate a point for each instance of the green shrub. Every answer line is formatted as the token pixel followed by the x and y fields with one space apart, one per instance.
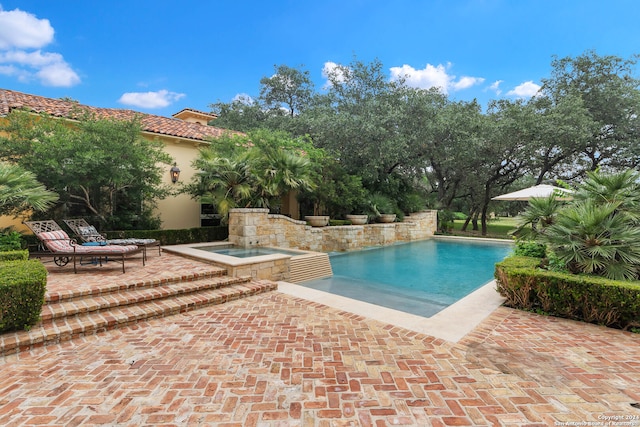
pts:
pixel 22 288
pixel 530 249
pixel 412 202
pixel 175 237
pixel 582 297
pixel 445 220
pixel 21 255
pixel 459 216
pixel 10 241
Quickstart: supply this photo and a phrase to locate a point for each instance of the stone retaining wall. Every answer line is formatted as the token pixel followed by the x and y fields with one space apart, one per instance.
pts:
pixel 256 227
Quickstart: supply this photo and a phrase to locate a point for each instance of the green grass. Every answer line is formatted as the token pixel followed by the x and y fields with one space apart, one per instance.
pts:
pixel 496 228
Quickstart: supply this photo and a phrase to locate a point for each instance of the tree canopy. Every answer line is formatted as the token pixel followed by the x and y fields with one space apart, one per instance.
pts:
pixel 455 155
pixel 100 168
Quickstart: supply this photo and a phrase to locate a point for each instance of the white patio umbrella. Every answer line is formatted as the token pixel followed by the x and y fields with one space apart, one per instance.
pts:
pixel 542 190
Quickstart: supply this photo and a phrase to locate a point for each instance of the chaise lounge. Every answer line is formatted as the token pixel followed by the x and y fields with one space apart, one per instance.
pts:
pixel 88 234
pixel 55 243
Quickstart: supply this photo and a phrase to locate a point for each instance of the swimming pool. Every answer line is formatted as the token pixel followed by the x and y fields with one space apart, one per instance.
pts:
pixel 421 277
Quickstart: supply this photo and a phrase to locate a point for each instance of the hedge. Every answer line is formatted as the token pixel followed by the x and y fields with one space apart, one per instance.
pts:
pixel 581 297
pixel 22 287
pixel 21 255
pixel 166 237
pixel 175 237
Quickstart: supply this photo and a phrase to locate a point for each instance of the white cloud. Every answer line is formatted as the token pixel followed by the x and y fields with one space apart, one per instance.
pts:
pixel 58 74
pixel 466 82
pixel 244 98
pixel 433 76
pixel 33 59
pixel 495 87
pixel 424 79
pixel 20 32
pixel 23 30
pixel 525 90
pixel 159 99
pixel 331 69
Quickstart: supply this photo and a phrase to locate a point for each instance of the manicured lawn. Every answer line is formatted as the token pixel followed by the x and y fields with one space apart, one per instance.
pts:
pixel 496 228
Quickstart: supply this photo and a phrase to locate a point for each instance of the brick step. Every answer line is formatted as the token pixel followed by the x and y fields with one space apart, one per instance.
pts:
pixel 309 267
pixel 134 295
pixel 61 328
pixel 80 292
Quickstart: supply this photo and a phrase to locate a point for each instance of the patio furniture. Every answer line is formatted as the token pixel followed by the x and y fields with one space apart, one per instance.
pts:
pixel 55 243
pixel 88 234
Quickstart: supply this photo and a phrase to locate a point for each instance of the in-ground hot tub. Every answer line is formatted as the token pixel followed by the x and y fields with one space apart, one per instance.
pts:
pixel 237 252
pixel 258 262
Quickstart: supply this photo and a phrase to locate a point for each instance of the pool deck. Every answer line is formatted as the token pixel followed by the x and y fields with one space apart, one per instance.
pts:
pixel 280 359
pixel 467 312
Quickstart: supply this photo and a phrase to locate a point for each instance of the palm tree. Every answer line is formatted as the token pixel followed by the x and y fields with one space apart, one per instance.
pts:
pixel 228 182
pixel 590 238
pixel 278 172
pixel 251 172
pixel 540 214
pixel 20 191
pixel 622 188
pixel 596 233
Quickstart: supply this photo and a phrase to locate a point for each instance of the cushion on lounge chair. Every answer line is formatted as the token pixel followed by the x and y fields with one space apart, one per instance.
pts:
pixel 113 249
pixel 131 241
pixel 89 233
pixel 58 241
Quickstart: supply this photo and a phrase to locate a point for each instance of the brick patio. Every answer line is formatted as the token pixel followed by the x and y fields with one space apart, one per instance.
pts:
pixel 277 360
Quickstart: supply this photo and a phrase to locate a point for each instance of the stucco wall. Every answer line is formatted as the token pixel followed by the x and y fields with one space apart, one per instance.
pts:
pixel 181 211
pixel 256 227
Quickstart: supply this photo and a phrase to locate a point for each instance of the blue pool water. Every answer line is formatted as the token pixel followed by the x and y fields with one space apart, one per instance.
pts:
pixel 246 252
pixel 420 277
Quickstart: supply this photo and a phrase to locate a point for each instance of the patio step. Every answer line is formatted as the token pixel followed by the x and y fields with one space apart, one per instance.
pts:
pixel 309 267
pixel 84 312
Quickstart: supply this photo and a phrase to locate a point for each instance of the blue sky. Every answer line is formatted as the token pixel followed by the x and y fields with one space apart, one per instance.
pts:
pixel 161 56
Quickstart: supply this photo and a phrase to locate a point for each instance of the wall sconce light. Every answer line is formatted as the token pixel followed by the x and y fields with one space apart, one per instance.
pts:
pixel 175 173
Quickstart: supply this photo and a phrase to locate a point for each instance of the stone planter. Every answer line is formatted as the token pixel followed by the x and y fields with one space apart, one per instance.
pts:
pixel 317 220
pixel 386 218
pixel 358 219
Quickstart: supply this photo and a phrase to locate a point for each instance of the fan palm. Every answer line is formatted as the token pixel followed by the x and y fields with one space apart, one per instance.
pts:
pixel 540 214
pixel 590 238
pixel 20 191
pixel 277 172
pixel 228 182
pixel 622 188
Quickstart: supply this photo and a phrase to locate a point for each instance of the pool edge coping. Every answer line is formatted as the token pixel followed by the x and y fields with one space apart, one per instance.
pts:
pixel 450 324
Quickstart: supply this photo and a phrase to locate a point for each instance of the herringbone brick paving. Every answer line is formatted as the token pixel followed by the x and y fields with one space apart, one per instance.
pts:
pixel 277 360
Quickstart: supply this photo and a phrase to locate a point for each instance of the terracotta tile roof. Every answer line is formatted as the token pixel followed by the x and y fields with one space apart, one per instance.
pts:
pixel 197 112
pixel 10 99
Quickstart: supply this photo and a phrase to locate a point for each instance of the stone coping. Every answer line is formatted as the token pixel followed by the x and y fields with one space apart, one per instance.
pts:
pixel 450 324
pixel 473 239
pixel 191 250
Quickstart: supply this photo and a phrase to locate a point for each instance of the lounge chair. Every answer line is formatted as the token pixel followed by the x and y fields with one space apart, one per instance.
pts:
pixel 55 243
pixel 88 234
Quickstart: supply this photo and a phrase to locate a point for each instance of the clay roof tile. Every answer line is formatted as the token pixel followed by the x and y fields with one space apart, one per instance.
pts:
pixel 10 99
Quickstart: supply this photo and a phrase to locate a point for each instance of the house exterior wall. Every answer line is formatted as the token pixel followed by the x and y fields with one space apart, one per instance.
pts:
pixel 179 211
